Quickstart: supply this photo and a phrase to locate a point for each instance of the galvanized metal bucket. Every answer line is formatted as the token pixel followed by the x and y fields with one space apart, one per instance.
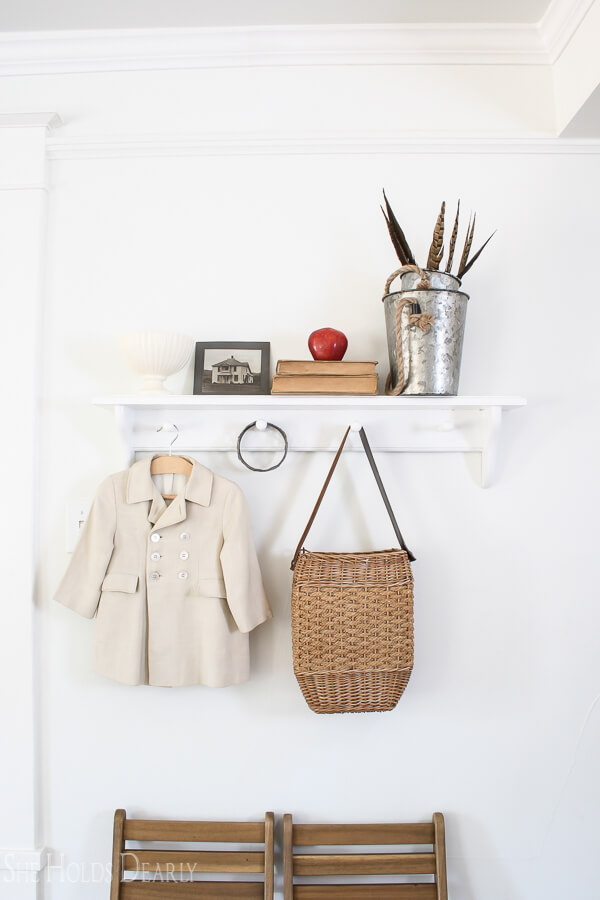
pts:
pixel 411 277
pixel 425 331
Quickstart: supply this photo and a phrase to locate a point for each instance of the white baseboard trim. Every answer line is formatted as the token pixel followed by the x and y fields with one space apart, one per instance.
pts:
pixel 128 146
pixel 18 860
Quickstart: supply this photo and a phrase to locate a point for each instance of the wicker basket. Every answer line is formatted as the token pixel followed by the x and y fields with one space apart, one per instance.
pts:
pixel 352 622
pixel 352 629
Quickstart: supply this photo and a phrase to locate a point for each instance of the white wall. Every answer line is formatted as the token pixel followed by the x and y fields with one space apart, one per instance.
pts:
pixel 499 727
pixel 280 102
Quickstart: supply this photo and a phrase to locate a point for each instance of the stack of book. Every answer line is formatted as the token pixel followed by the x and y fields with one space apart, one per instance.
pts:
pixel 319 376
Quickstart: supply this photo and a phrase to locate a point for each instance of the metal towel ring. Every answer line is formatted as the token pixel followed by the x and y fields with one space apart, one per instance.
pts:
pixel 261 426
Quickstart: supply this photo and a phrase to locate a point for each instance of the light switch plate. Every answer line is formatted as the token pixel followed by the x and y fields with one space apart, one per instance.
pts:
pixel 76 514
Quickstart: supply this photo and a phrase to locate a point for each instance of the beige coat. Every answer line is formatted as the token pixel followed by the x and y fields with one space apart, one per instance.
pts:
pixel 175 589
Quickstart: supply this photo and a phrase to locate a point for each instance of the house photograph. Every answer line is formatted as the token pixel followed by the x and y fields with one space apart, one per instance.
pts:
pixel 227 367
pixel 231 371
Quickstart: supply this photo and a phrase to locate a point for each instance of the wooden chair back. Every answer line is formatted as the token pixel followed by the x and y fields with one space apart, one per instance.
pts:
pixel 172 872
pixel 419 850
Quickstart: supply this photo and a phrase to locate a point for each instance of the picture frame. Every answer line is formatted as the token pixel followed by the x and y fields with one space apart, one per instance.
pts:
pixel 232 367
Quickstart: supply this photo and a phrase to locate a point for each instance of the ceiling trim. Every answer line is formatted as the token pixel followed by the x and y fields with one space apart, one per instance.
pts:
pixel 559 23
pixel 75 52
pixel 42 53
pixel 134 147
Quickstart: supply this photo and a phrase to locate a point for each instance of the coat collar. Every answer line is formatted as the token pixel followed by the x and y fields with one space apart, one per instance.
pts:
pixel 140 487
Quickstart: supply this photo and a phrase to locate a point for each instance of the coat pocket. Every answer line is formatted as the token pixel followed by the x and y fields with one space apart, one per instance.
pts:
pixel 209 587
pixel 120 581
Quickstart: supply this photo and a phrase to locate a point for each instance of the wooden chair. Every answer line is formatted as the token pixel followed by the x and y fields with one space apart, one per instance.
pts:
pixel 172 869
pixel 403 861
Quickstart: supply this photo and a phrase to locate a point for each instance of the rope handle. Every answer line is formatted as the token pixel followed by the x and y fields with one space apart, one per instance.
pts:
pixel 403 366
pixel 418 320
pixel 386 501
pixel 423 285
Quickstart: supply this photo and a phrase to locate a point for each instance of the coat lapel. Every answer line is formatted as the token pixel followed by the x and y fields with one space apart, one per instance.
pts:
pixel 140 487
pixel 157 508
pixel 172 514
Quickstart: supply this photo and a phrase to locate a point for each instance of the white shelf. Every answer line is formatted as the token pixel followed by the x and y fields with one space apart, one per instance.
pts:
pixel 314 423
pixel 304 401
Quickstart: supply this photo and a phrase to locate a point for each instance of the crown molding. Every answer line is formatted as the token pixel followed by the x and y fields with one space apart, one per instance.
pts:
pixel 128 146
pixel 559 23
pixel 106 50
pixel 64 52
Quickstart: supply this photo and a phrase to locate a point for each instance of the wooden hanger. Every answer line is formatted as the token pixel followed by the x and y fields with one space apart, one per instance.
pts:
pixel 171 465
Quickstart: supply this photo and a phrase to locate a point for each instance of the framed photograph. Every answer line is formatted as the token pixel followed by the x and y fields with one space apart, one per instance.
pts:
pixel 232 367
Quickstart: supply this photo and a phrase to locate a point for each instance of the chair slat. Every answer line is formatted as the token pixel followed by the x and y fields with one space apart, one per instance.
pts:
pixel 328 835
pixel 269 856
pixel 440 846
pixel 427 837
pixel 288 858
pixel 188 861
pixel 364 864
pixel 118 844
pixel 191 890
pixel 218 832
pixel 365 892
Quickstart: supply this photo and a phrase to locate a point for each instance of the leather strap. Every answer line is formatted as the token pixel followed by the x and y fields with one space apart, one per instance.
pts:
pixel 386 501
pixel 388 505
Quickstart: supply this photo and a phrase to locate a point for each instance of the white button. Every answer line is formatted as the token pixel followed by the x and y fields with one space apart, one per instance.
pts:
pixel 155 556
pixel 183 575
pixel 155 537
pixel 184 554
pixel 154 576
pixel 184 536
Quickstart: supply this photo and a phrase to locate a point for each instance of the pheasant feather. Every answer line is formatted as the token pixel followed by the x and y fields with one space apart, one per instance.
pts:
pixel 398 247
pixel 467 247
pixel 466 268
pixel 436 251
pixel 453 239
pixel 405 254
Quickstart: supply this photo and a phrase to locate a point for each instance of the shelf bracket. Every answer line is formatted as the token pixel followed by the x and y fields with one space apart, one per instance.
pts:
pixel 492 420
pixel 125 421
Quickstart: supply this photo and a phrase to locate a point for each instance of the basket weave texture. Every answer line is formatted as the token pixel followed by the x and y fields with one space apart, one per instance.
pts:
pixel 352 629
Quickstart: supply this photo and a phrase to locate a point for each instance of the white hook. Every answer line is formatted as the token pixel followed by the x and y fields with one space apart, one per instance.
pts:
pixel 356 426
pixel 169 426
pixel 261 425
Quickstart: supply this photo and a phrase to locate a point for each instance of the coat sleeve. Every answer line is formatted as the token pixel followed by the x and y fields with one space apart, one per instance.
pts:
pixel 80 586
pixel 243 582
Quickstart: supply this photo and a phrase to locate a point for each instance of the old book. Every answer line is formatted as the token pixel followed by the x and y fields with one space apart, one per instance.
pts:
pixel 324 384
pixel 324 367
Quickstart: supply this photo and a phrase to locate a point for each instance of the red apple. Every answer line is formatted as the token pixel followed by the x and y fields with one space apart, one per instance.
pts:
pixel 327 343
